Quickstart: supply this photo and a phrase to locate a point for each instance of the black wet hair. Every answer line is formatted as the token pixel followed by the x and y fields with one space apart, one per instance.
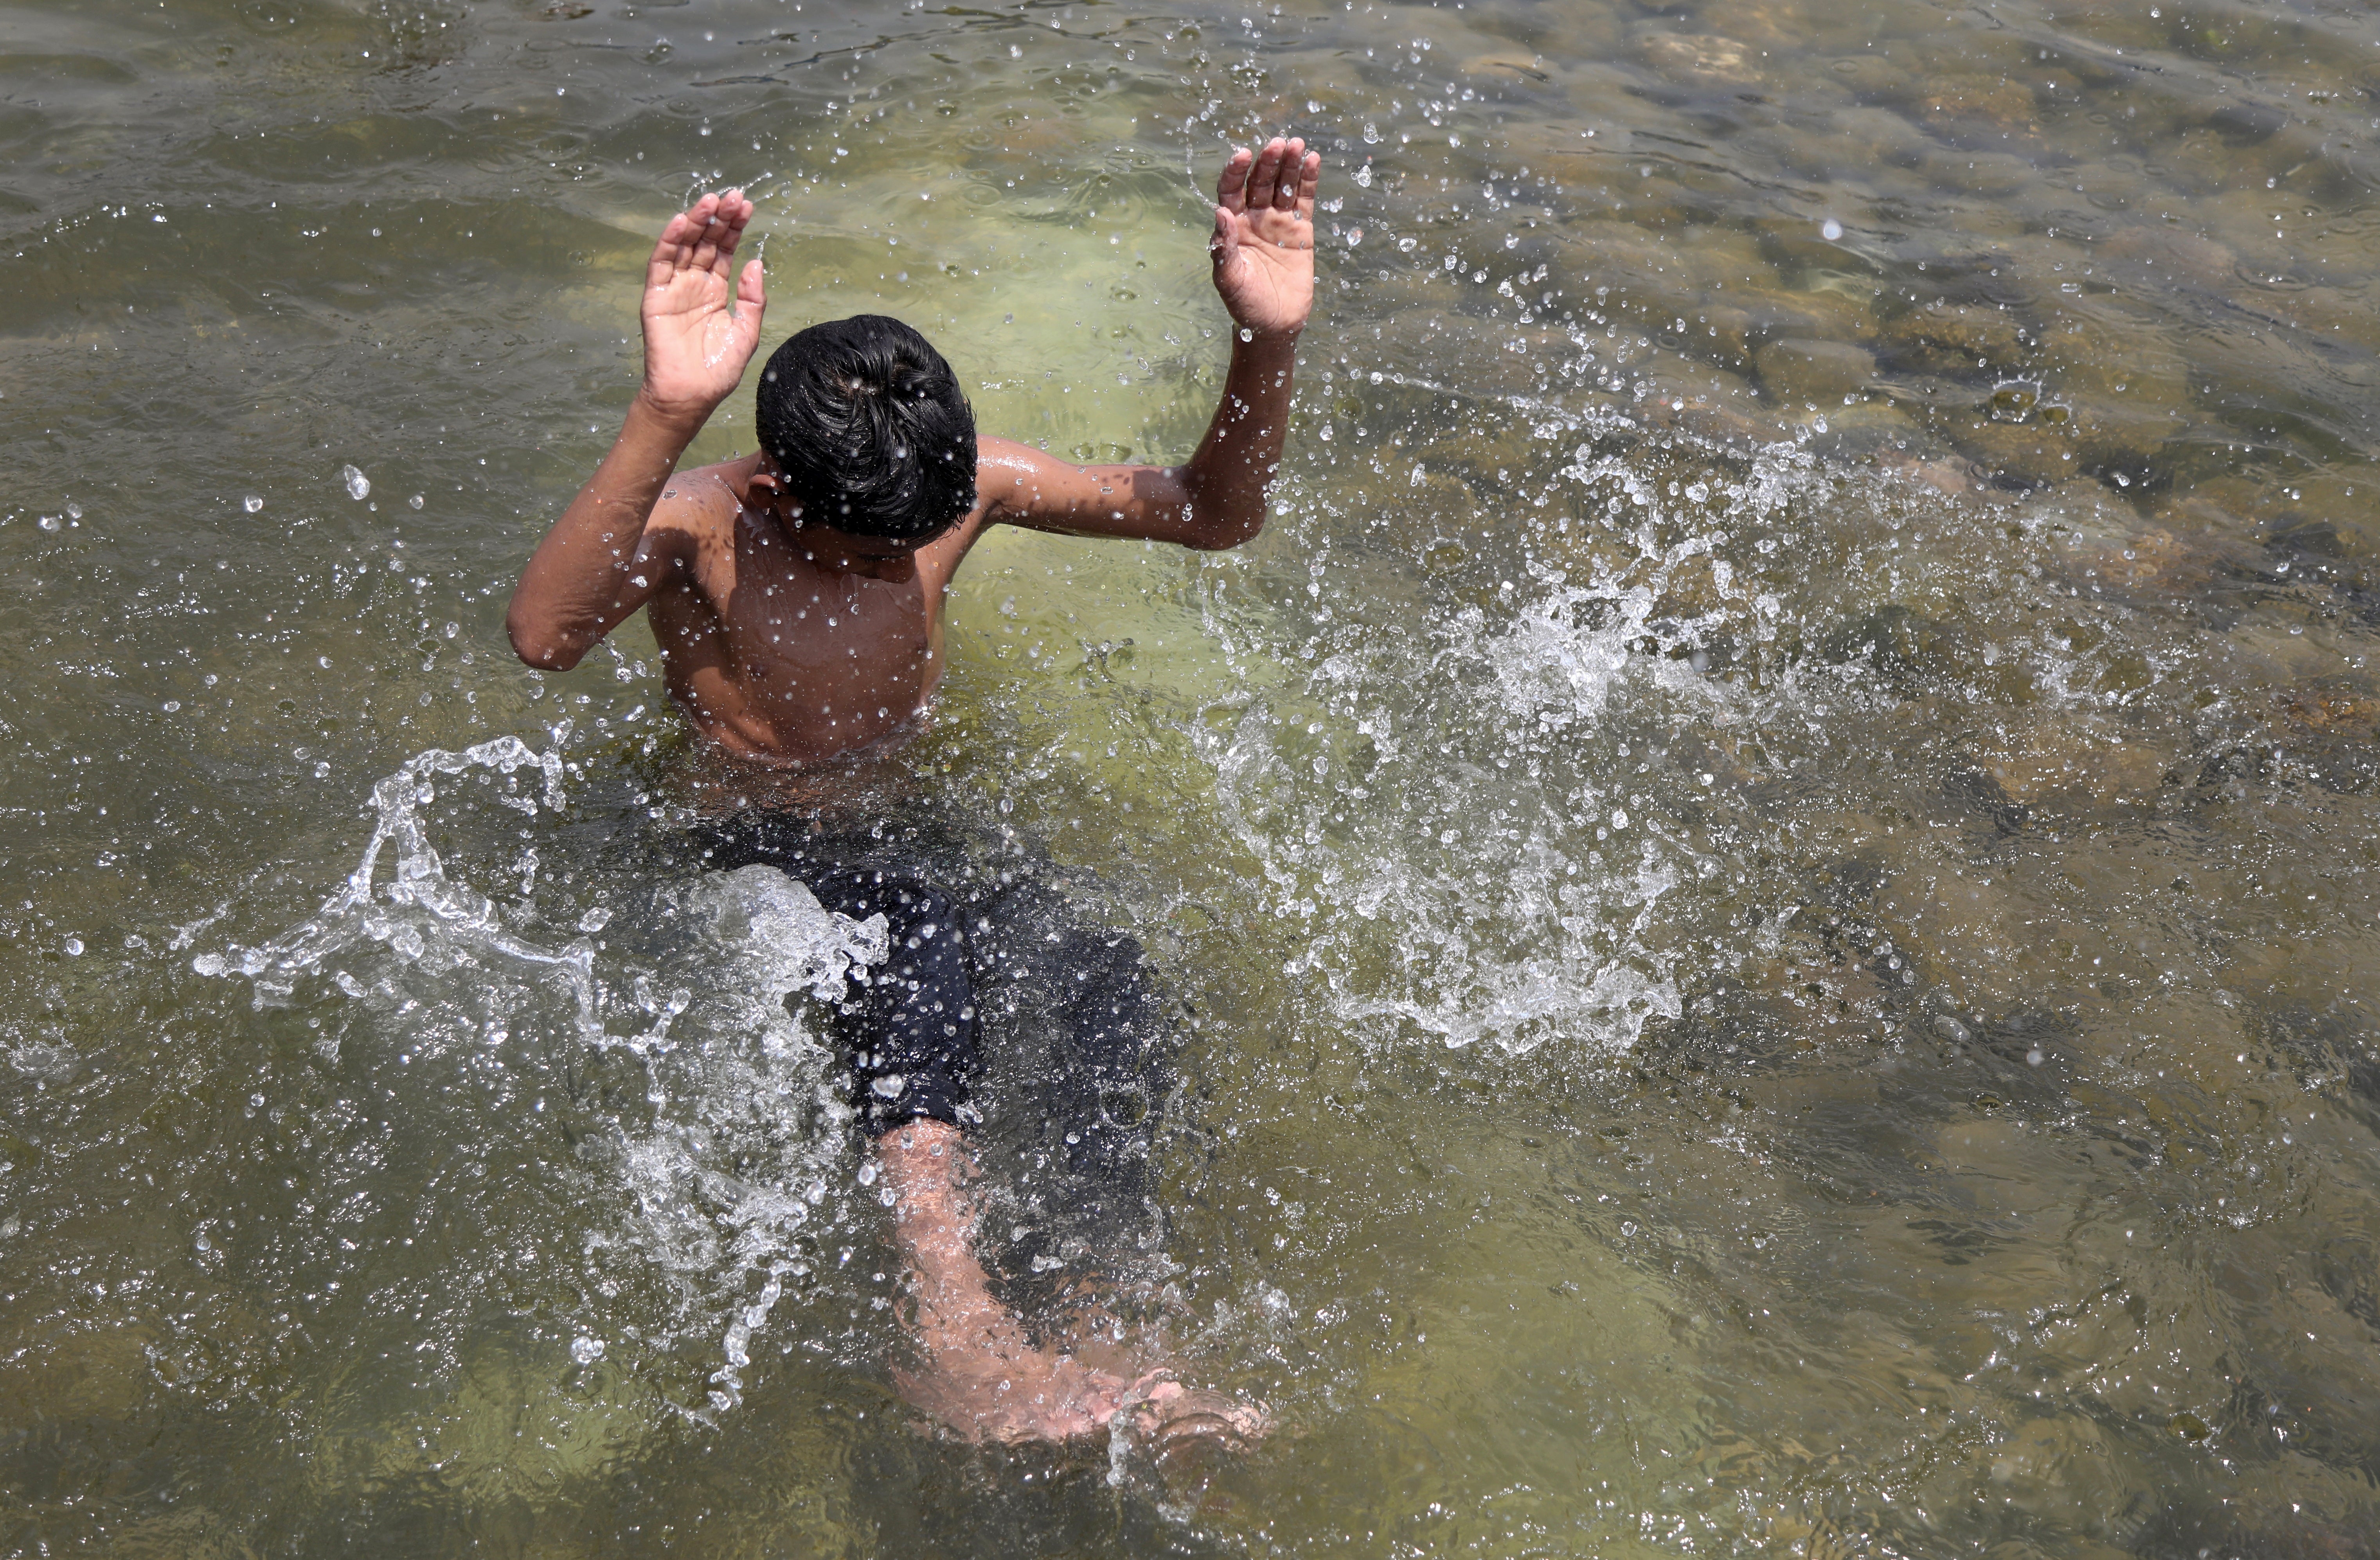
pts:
pixel 870 427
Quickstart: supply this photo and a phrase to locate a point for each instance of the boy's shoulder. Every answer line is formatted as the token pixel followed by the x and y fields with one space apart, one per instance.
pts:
pixel 704 501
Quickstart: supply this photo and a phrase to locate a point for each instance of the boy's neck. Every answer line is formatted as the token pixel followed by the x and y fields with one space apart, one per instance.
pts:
pixel 836 552
pixel 824 547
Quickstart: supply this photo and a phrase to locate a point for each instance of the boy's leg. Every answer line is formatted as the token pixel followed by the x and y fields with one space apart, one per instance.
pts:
pixel 983 1376
pixel 910 1031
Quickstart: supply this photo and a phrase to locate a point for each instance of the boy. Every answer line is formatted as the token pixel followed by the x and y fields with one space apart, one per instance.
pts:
pixel 796 595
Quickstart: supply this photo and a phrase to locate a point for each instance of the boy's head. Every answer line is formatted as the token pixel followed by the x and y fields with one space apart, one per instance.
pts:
pixel 869 429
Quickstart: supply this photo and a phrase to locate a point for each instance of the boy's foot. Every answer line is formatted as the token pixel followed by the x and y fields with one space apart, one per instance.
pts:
pixel 1016 1395
pixel 1013 1395
pixel 1165 1416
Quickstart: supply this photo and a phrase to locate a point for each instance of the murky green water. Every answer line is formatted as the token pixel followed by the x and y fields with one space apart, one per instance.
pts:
pixel 1776 850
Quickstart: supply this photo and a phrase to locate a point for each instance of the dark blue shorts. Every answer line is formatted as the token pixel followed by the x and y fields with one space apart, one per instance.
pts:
pixel 1006 1008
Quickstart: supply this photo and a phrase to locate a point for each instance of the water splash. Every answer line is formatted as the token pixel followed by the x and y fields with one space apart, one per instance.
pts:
pixel 1452 819
pixel 420 899
pixel 744 1142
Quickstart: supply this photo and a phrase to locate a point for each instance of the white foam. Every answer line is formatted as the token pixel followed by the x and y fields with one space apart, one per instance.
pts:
pixel 742 1084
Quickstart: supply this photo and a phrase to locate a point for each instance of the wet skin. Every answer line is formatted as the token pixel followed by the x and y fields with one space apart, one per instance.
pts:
pixel 792 642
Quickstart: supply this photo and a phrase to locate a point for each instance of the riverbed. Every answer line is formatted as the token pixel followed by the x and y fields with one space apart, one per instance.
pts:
pixel 1769 866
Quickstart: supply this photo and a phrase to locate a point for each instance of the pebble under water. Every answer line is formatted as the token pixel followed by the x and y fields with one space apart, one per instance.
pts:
pixel 1770 863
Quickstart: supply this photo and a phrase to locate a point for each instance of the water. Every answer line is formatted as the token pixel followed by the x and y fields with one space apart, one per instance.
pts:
pixel 1773 849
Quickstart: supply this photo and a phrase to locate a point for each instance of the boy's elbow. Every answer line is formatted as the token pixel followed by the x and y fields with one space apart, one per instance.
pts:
pixel 1221 527
pixel 538 644
pixel 1223 537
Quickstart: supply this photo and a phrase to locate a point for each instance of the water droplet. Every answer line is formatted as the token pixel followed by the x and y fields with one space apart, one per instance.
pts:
pixel 586 1349
pixel 359 484
pixel 74 512
pixel 50 522
pixel 74 947
pixel 252 504
pixel 1831 230
pixel 2034 1057
pixel 595 919
pixel 413 502
pixel 1618 817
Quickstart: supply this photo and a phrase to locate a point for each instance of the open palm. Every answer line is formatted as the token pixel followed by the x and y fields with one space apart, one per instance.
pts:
pixel 695 344
pixel 1264 235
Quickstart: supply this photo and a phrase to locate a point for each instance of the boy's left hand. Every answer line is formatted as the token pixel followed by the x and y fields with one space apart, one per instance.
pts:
pixel 1264 237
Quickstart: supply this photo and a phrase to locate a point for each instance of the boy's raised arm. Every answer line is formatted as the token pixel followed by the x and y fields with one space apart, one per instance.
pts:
pixel 1263 248
pixel 598 564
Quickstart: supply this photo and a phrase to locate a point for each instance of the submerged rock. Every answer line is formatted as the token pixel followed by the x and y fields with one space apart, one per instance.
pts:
pixel 1965 106
pixel 2023 455
pixel 2048 759
pixel 1906 649
pixel 1882 434
pixel 1955 339
pixel 1711 403
pixel 1705 59
pixel 1979 172
pixel 2132 358
pixel 2174 252
pixel 1878 134
pixel 2328 728
pixel 2122 440
pixel 1767 23
pixel 1823 371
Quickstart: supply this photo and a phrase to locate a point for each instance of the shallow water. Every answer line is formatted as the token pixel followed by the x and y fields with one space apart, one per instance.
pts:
pixel 1774 851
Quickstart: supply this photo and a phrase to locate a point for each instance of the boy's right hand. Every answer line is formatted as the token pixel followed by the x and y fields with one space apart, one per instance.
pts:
pixel 694 347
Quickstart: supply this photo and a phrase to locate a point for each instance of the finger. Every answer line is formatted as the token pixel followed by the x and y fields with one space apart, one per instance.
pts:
pixel 1231 189
pixel 718 235
pixel 677 238
pixel 662 263
pixel 1225 242
pixel 734 213
pixel 751 300
pixel 1264 177
pixel 1309 179
pixel 1293 159
pixel 705 251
